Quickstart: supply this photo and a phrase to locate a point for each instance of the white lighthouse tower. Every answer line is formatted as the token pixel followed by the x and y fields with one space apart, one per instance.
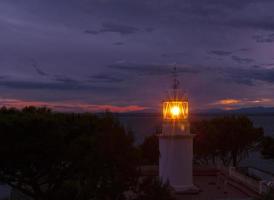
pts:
pixel 176 142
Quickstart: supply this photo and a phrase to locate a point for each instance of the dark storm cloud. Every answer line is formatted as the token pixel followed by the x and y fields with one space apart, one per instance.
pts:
pixel 233 13
pixel 30 85
pixel 268 64
pixel 198 5
pixel 220 52
pixel 260 24
pixel 242 75
pixel 65 79
pixel 39 71
pixel 105 78
pixel 241 60
pixel 232 4
pixel 248 76
pixel 262 74
pixel 228 53
pixel 150 29
pixel 188 12
pixel 118 28
pixel 66 86
pixel 114 28
pixel 151 69
pixel 91 32
pixel 118 43
pixel 268 38
pixel 244 49
pixel 174 55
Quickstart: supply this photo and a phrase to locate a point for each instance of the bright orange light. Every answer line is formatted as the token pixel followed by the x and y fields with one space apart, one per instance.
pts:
pixel 175 110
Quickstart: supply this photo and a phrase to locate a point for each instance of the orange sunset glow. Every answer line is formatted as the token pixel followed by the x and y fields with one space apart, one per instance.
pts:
pixel 70 106
pixel 229 103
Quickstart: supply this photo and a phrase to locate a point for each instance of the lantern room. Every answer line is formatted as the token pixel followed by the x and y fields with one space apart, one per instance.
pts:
pixel 175 106
pixel 175 110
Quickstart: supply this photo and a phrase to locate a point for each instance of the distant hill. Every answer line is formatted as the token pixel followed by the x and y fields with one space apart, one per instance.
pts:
pixel 256 110
pixel 249 110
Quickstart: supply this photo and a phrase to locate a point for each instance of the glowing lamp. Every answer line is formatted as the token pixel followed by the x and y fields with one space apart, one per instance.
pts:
pixel 175 110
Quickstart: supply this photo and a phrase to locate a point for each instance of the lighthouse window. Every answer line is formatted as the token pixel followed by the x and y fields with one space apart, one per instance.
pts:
pixel 175 110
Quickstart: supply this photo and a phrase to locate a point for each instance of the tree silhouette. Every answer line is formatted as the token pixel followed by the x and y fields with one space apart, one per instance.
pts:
pixel 150 150
pixel 47 155
pixel 227 139
pixel 268 147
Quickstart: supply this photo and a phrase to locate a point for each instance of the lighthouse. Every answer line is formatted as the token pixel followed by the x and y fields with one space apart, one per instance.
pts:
pixel 176 142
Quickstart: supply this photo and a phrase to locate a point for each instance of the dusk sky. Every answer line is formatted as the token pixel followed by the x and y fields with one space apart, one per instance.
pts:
pixel 92 55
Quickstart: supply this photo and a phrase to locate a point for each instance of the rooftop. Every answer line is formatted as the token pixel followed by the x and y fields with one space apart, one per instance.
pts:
pixel 216 184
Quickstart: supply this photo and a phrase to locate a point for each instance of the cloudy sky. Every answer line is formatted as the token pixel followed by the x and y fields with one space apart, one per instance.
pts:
pixel 90 55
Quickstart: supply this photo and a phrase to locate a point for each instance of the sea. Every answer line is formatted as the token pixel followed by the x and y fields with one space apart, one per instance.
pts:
pixel 143 125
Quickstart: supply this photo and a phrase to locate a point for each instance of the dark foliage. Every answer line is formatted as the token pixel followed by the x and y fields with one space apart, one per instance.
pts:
pixel 227 139
pixel 151 188
pixel 150 150
pixel 268 147
pixel 48 155
pixel 269 195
